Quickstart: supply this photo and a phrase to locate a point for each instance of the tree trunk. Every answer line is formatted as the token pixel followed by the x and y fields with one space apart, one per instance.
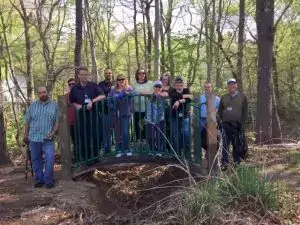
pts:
pixel 136 35
pixel 240 54
pixel 4 159
pixel 78 44
pixel 275 77
pixel 217 49
pixel 149 36
pixel 265 30
pixel 169 37
pixel 156 40
pixel 162 41
pixel 276 127
pixel 91 38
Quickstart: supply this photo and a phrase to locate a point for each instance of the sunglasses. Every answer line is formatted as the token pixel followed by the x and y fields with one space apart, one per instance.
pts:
pixel 71 84
pixel 157 86
pixel 142 73
pixel 122 79
pixel 107 73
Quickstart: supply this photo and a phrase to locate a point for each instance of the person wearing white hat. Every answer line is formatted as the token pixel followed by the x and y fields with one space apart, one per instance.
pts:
pixel 233 111
pixel 155 116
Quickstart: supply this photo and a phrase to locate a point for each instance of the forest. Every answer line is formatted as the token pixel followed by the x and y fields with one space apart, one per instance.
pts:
pixel 43 42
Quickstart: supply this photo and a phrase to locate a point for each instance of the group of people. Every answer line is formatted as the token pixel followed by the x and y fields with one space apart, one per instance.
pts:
pixel 157 108
pixel 111 105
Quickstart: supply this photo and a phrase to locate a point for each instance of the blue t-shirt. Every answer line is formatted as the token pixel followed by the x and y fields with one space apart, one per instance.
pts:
pixel 203 102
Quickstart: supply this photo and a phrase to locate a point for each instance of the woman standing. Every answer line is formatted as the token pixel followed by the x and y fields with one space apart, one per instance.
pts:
pixel 120 104
pixel 166 83
pixel 142 87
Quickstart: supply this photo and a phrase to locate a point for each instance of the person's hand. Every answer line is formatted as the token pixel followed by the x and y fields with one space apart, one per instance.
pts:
pixel 26 139
pixel 90 105
pixel 163 94
pixel 176 105
pixel 49 136
pixel 78 107
pixel 187 96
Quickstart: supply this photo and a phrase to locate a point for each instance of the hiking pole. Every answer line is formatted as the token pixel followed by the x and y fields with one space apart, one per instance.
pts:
pixel 28 157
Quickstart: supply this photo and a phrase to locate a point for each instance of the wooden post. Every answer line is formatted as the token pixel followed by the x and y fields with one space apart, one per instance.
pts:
pixel 64 138
pixel 212 142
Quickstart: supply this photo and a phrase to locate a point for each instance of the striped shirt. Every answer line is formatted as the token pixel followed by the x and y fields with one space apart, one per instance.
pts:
pixel 41 118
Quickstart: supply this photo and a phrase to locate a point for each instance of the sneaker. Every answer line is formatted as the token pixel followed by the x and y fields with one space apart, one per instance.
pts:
pixel 119 155
pixel 224 167
pixel 38 185
pixel 159 154
pixel 129 153
pixel 49 186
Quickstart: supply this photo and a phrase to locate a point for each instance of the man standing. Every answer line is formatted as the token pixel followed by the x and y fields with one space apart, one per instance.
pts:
pixel 106 87
pixel 181 121
pixel 84 96
pixel 233 112
pixel 203 112
pixel 41 126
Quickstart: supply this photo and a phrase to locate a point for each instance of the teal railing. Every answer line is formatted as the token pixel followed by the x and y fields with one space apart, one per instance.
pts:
pixel 136 125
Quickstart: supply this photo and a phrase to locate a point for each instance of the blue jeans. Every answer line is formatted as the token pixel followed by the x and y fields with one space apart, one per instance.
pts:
pixel 181 134
pixel 121 130
pixel 107 122
pixel 36 149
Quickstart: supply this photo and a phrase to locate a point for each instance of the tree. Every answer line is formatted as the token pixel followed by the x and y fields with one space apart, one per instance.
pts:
pixel 156 38
pixel 78 44
pixel 4 159
pixel 265 42
pixel 240 54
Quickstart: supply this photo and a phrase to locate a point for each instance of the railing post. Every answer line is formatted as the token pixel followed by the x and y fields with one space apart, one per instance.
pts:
pixel 212 142
pixel 64 138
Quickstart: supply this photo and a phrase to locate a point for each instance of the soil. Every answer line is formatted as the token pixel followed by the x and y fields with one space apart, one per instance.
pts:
pixel 114 195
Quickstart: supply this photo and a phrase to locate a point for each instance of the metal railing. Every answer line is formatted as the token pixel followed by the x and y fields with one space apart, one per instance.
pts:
pixel 136 125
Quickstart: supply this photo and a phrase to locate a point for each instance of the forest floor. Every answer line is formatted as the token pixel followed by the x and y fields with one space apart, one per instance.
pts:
pixel 109 197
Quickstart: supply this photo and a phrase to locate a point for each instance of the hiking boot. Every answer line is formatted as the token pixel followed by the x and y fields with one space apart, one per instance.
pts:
pixel 50 186
pixel 38 184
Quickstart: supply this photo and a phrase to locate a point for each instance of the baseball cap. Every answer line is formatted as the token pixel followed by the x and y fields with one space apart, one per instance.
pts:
pixel 156 83
pixel 231 80
pixel 179 79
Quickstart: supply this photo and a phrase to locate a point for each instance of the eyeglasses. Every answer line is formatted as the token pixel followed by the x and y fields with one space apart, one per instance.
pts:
pixel 107 73
pixel 122 79
pixel 157 86
pixel 71 84
pixel 142 73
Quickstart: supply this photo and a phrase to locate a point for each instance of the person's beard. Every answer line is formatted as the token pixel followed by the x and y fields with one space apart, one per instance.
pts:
pixel 44 98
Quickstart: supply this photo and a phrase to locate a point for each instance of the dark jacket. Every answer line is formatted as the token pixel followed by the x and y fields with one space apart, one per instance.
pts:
pixel 184 108
pixel 233 109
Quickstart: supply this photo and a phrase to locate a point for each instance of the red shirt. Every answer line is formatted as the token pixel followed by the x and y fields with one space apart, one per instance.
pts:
pixel 71 111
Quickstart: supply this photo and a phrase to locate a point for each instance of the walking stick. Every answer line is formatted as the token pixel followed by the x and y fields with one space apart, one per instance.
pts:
pixel 28 158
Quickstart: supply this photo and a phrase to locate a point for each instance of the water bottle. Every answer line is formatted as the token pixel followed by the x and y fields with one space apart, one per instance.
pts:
pixel 86 99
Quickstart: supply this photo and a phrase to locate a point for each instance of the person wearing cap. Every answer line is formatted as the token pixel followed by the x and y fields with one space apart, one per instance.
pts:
pixel 180 117
pixel 203 112
pixel 155 115
pixel 120 106
pixel 233 111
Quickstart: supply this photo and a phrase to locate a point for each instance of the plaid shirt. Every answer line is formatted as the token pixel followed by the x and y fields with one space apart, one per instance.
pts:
pixel 41 118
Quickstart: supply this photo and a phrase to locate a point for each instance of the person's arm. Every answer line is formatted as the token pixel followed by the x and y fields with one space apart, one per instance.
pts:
pixel 245 110
pixel 187 97
pixel 100 95
pixel 56 125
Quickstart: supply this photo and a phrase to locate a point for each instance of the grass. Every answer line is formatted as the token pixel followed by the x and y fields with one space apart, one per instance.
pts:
pixel 206 202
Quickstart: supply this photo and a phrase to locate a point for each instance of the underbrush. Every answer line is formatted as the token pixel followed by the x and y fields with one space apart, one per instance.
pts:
pixel 210 202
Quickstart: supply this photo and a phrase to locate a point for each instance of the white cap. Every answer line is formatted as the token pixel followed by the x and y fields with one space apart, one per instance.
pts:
pixel 157 82
pixel 231 80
